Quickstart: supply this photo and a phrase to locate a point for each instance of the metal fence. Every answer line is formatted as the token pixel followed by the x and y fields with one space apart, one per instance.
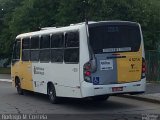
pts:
pixel 153 65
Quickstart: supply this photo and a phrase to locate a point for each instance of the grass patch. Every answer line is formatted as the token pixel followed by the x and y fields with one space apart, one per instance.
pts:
pixel 5 70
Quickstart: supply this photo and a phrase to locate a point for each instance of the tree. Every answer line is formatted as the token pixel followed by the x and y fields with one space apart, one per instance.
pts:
pixel 8 7
pixel 29 16
pixel 70 11
pixel 144 12
pixel 19 16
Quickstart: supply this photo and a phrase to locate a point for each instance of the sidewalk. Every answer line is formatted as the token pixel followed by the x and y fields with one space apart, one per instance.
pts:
pixel 152 93
pixel 5 77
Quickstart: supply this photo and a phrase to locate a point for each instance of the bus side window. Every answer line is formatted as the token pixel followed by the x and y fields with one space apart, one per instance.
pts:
pixel 72 39
pixel 44 55
pixel 16 51
pixel 71 53
pixel 26 49
pixel 57 40
pixel 57 46
pixel 35 48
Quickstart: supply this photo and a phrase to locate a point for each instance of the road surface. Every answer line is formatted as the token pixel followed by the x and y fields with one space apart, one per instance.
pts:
pixel 30 103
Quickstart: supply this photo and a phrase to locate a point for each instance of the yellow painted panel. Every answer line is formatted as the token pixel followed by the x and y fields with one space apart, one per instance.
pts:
pixel 24 71
pixel 27 81
pixel 14 72
pixel 129 68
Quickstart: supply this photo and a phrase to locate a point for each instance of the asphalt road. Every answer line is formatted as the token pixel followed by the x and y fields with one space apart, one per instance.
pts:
pixel 30 103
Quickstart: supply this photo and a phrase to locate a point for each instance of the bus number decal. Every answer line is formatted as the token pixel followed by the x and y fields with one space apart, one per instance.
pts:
pixel 134 59
pixel 106 64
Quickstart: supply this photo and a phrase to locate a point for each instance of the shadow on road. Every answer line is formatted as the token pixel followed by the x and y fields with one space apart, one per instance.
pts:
pixel 39 103
pixel 84 104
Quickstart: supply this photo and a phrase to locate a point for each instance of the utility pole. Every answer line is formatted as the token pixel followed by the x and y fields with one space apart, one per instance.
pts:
pixel 85 10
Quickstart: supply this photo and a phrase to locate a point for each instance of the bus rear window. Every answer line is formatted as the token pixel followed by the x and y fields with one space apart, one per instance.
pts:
pixel 114 38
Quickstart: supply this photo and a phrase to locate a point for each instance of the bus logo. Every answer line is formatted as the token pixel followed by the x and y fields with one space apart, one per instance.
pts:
pixel 132 66
pixel 38 70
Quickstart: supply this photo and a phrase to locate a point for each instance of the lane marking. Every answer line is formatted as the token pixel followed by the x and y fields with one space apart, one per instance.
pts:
pixel 5 80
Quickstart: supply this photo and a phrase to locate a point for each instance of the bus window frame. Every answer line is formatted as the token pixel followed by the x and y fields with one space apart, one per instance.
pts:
pixel 36 49
pixel 57 48
pixel 29 49
pixel 66 48
pixel 15 50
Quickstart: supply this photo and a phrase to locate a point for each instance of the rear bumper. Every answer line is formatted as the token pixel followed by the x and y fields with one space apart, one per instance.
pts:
pixel 89 89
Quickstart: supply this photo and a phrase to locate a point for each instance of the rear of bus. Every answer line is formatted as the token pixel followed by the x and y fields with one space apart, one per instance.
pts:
pixel 117 64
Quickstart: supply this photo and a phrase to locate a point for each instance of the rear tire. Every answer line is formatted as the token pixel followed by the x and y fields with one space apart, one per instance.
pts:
pixel 52 94
pixel 100 98
pixel 18 86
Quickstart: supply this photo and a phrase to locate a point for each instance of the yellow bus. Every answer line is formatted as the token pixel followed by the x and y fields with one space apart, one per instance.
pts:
pixel 82 60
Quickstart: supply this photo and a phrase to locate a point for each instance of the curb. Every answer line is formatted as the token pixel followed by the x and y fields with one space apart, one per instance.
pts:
pixel 141 98
pixel 5 80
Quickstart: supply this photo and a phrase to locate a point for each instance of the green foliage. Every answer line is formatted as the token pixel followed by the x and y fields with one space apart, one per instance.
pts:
pixel 6 10
pixel 5 70
pixel 19 16
pixel 32 15
pixel 70 11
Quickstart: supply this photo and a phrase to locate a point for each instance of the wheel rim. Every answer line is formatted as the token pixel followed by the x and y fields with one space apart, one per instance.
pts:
pixel 52 95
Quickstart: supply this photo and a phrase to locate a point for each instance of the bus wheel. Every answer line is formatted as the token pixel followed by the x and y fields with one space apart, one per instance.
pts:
pixel 18 86
pixel 52 94
pixel 100 98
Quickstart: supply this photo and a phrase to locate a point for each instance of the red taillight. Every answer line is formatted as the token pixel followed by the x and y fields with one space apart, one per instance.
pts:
pixel 87 73
pixel 143 68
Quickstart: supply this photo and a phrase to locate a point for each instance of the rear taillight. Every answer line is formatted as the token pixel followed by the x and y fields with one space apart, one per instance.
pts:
pixel 143 68
pixel 87 72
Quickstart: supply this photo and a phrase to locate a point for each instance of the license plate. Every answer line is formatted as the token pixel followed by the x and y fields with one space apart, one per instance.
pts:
pixel 116 89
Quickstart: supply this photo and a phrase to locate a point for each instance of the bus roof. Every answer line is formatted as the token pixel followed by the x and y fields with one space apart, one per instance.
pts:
pixel 50 30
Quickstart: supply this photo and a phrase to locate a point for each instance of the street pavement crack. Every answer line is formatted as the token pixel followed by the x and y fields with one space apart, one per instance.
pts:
pixel 17 109
pixel 19 112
